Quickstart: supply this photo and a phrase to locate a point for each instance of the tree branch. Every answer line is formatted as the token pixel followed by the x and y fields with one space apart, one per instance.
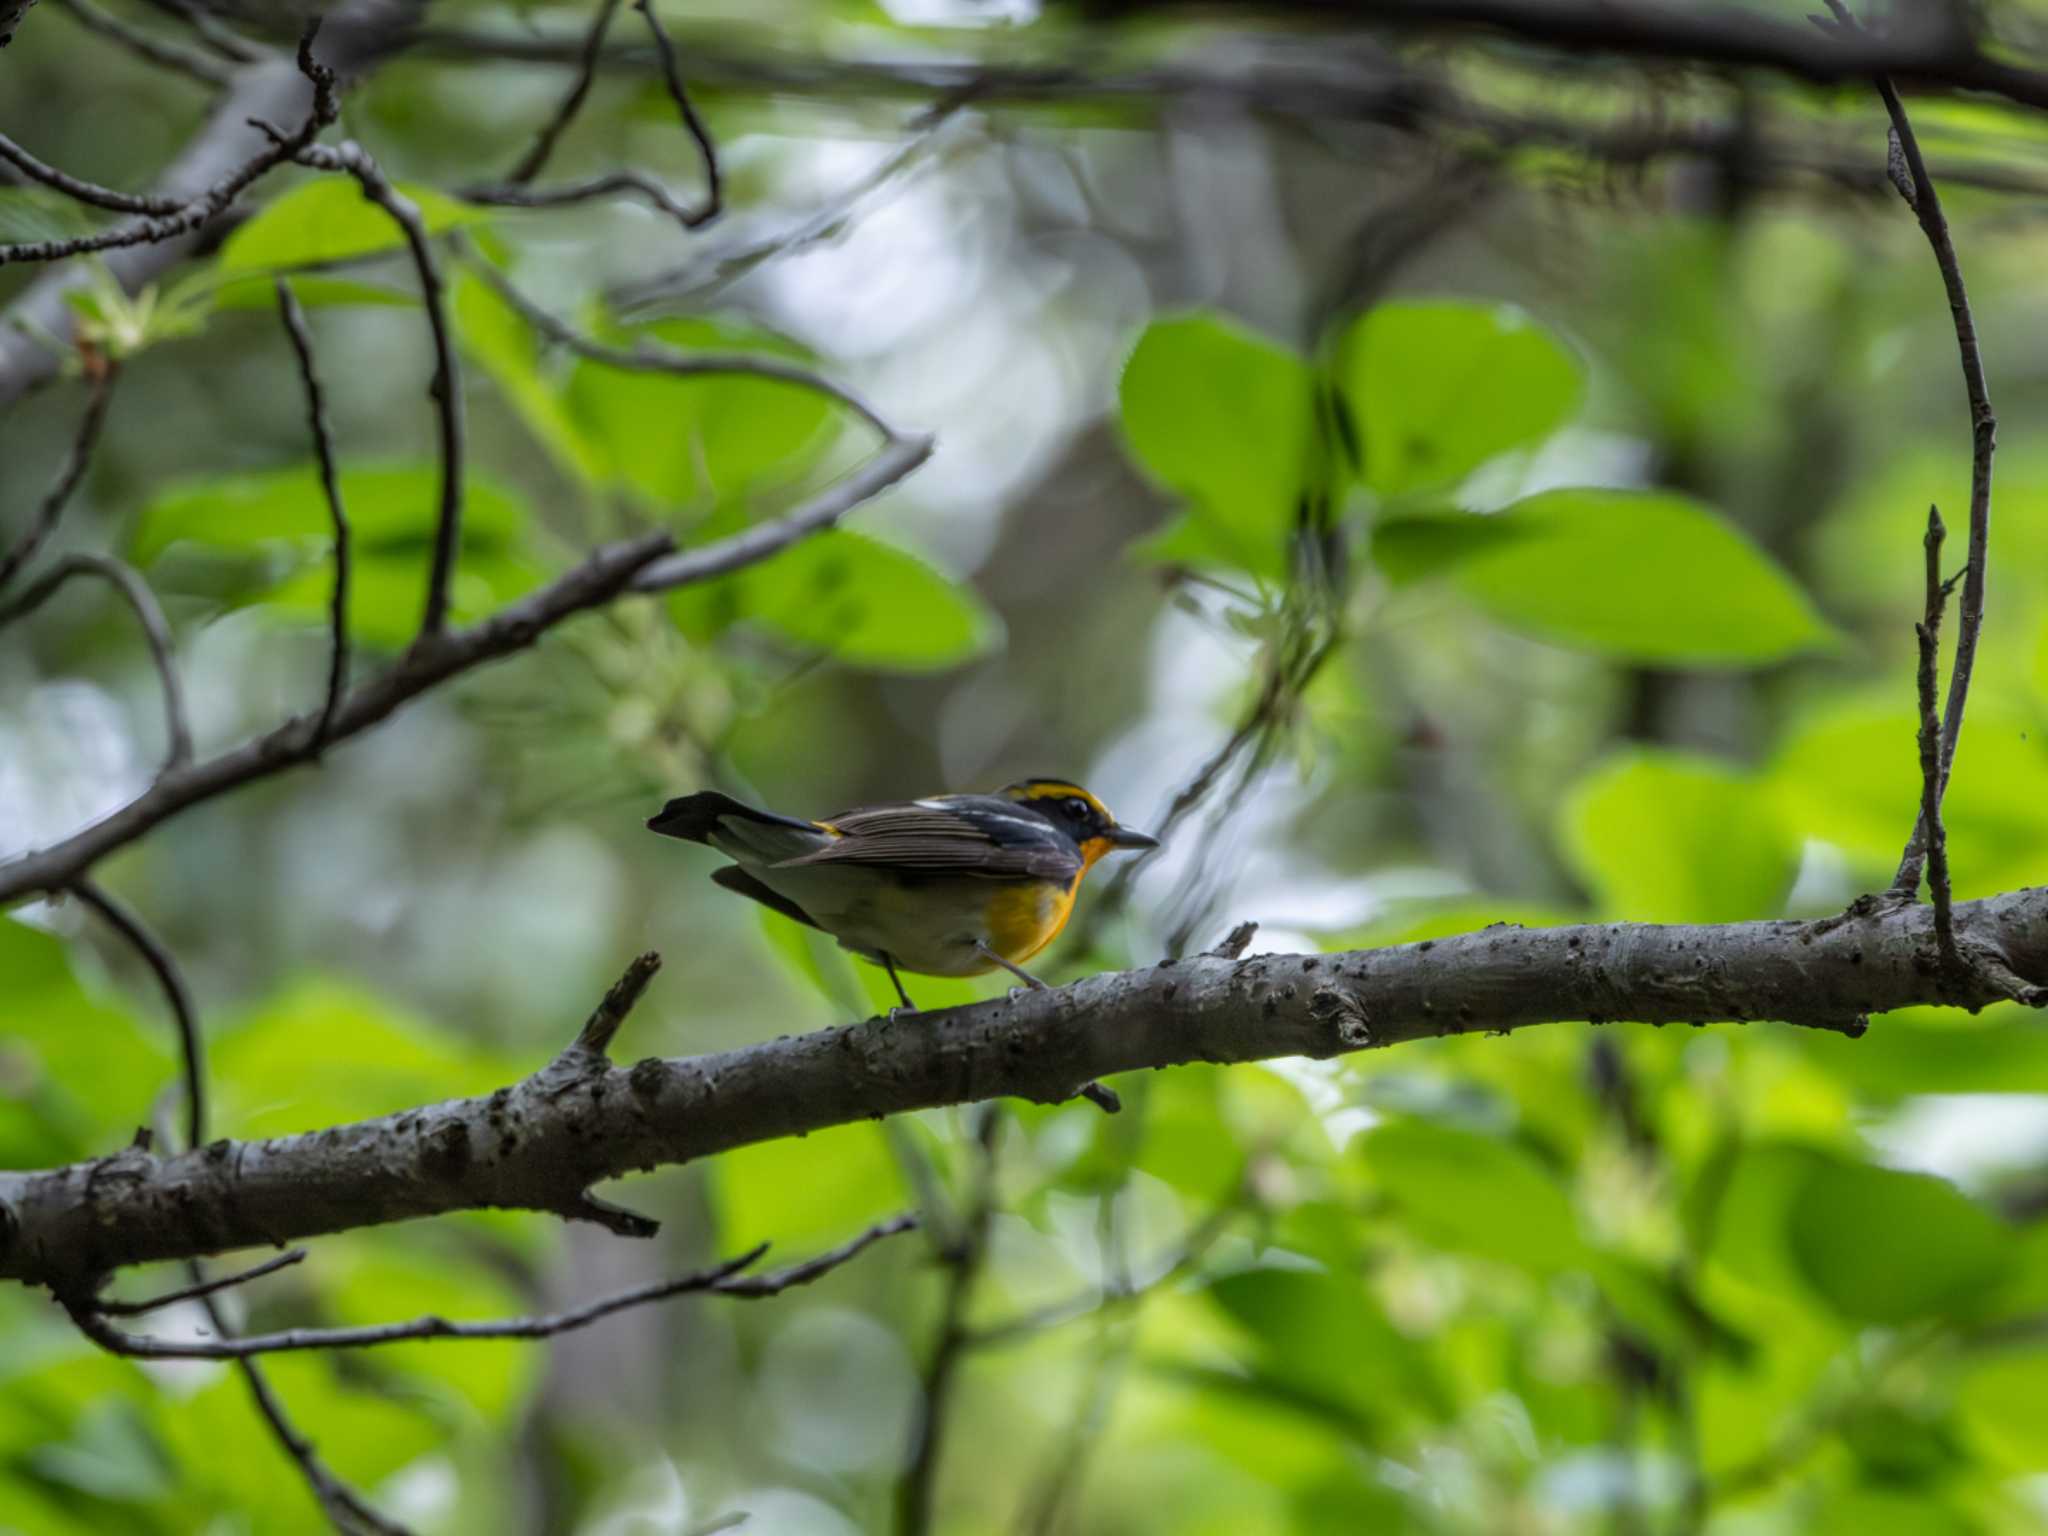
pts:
pixel 672 77
pixel 1916 187
pixel 540 1143
pixel 295 327
pixel 353 37
pixel 135 592
pixel 152 48
pixel 1924 58
pixel 445 388
pixel 721 1279
pixel 535 160
pixel 108 1307
pixel 54 500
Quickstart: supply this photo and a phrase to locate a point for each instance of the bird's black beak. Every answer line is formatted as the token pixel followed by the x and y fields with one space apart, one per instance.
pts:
pixel 1130 837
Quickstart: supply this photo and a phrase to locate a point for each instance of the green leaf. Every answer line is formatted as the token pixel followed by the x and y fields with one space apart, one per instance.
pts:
pixel 1845 768
pixel 329 219
pixel 1881 1246
pixel 806 1193
pixel 374 1058
pixel 1224 419
pixel 695 443
pixel 257 290
pixel 1322 1335
pixel 391 509
pixel 392 512
pixel 76 1075
pixel 497 338
pixel 1636 575
pixel 1663 837
pixel 382 1281
pixel 855 598
pixel 1438 389
pixel 1409 547
pixel 1476 1194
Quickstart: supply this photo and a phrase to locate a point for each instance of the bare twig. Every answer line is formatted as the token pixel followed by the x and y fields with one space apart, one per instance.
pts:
pixel 344 1507
pixel 963 1257
pixel 693 281
pixel 113 1308
pixel 176 995
pixel 1916 187
pixel 595 1038
pixel 714 191
pixel 220 40
pixel 536 157
pixel 721 1279
pixel 301 335
pixel 135 592
pixel 80 190
pixel 601 577
pixel 567 194
pixel 214 200
pixel 1928 631
pixel 151 47
pixel 645 357
pixel 445 388
pixel 101 380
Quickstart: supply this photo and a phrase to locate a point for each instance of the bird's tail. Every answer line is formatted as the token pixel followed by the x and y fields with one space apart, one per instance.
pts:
pixel 739 830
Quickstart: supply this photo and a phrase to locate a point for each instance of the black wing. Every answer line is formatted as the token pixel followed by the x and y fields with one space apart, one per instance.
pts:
pixel 951 835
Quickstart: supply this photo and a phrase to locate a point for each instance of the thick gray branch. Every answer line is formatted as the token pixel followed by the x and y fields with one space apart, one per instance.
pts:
pixel 539 1144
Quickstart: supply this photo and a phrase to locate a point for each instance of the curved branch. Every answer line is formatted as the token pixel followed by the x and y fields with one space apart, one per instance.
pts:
pixel 155 629
pixel 541 1143
pixel 722 1279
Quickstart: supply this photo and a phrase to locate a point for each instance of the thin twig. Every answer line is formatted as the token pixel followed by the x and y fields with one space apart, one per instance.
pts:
pixel 82 443
pixel 80 190
pixel 964 1258
pixel 721 1279
pixel 694 281
pixel 209 204
pixel 114 1308
pixel 644 357
pixel 445 388
pixel 176 995
pixel 149 46
pixel 301 335
pixel 714 192
pixel 566 194
pixel 344 1507
pixel 1916 187
pixel 135 591
pixel 595 1037
pixel 536 157
pixel 219 40
pixel 1928 630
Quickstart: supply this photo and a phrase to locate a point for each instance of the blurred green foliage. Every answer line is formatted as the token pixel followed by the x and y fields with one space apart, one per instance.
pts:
pixel 1620 524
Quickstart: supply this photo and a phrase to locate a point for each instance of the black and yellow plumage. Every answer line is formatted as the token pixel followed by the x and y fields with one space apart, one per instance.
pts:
pixel 952 885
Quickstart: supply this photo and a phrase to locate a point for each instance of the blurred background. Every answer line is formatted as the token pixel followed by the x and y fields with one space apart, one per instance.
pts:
pixel 1240 338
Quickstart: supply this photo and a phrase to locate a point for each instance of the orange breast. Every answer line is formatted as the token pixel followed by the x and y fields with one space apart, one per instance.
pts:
pixel 1024 918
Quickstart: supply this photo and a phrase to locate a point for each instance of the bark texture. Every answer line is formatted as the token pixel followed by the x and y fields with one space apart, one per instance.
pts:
pixel 541 1143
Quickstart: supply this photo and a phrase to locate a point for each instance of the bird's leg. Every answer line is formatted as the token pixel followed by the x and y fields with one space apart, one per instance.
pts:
pixel 1017 971
pixel 889 965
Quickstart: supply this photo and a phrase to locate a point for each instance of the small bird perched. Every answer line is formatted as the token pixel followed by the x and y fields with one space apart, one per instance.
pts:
pixel 954 885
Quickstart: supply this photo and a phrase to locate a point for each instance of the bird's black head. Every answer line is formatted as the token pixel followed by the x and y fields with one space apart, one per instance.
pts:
pixel 1079 814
